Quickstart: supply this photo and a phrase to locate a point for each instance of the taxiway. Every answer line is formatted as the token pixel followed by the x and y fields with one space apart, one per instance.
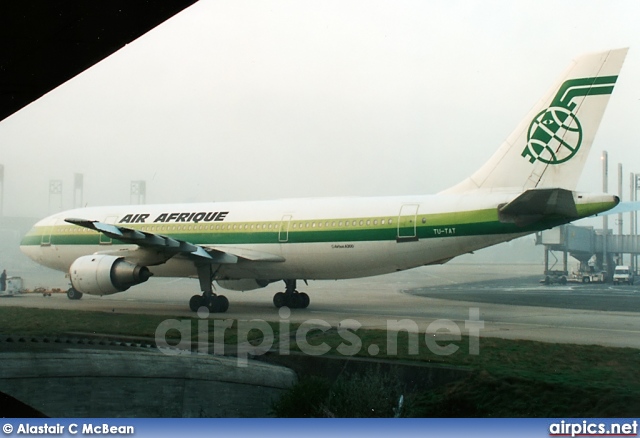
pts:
pixel 510 301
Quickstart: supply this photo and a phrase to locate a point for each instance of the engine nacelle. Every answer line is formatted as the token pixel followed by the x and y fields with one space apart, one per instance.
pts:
pixel 243 284
pixel 106 274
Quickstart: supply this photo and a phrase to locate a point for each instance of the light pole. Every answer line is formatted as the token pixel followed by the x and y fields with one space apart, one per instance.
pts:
pixel 78 189
pixel 636 186
pixel 605 218
pixel 55 192
pixel 1 189
pixel 138 192
pixel 620 254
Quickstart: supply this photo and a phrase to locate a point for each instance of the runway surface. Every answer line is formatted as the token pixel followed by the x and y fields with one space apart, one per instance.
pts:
pixel 509 299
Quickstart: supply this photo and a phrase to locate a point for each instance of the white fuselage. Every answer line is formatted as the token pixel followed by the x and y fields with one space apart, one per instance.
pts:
pixel 327 238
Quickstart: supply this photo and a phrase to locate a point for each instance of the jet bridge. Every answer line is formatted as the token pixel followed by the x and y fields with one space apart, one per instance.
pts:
pixel 593 248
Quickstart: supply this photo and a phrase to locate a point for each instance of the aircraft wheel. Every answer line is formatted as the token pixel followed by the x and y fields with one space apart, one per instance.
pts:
pixel 223 303
pixel 73 294
pixel 218 304
pixel 279 299
pixel 304 300
pixel 196 302
pixel 295 301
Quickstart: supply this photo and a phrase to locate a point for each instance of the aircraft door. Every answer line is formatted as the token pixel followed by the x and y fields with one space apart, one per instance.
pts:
pixel 45 239
pixel 407 218
pixel 283 235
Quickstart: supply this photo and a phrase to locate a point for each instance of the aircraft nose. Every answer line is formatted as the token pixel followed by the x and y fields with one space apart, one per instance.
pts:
pixel 27 238
pixel 30 243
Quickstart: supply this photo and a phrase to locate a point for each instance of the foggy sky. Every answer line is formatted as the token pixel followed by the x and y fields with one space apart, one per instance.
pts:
pixel 244 100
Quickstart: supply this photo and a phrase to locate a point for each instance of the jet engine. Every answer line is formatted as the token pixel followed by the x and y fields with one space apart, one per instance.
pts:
pixel 106 274
pixel 243 284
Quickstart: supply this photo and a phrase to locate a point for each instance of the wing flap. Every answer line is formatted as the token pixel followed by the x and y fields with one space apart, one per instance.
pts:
pixel 168 245
pixel 250 254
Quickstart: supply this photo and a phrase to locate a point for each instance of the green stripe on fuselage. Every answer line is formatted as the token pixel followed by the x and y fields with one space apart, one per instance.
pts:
pixel 465 223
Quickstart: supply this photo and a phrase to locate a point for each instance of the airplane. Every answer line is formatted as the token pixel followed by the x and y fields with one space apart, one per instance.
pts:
pixel 528 185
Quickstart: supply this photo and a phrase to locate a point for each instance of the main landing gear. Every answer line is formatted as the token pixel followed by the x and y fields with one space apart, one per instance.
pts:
pixel 219 303
pixel 291 297
pixel 215 303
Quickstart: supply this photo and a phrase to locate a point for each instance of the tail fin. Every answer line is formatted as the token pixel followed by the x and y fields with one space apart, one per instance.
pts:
pixel 551 144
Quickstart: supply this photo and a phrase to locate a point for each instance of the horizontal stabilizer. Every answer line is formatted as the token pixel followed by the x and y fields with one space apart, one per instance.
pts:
pixel 534 204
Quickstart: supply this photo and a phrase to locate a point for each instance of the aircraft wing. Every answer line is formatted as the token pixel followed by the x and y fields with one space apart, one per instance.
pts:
pixel 534 204
pixel 158 248
pixel 248 254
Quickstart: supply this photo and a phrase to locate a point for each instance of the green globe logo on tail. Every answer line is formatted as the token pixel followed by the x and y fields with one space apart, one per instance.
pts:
pixel 555 134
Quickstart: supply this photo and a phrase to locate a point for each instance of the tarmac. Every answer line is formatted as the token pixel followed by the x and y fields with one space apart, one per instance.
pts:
pixel 511 303
pixel 503 301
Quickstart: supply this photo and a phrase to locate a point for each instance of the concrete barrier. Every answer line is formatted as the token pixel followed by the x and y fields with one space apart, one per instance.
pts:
pixel 106 383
